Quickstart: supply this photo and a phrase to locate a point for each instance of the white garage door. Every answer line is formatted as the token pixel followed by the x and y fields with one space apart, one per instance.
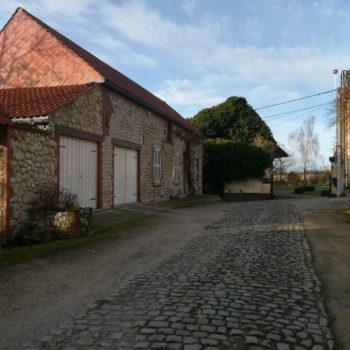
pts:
pixel 125 175
pixel 78 169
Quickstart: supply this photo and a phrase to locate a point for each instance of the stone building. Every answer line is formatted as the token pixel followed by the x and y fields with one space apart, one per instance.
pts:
pixel 254 188
pixel 340 160
pixel 69 119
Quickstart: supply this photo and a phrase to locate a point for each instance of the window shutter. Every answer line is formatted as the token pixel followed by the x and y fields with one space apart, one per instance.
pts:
pixel 157 160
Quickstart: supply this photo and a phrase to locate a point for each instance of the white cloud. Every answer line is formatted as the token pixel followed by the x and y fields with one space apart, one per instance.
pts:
pixel 285 66
pixel 76 11
pixel 269 94
pixel 326 8
pixel 81 7
pixel 199 49
pixel 59 13
pixel 139 23
pixel 128 32
pixel 196 49
pixel 189 6
pixel 192 95
pixel 256 31
pixel 7 9
pixel 125 55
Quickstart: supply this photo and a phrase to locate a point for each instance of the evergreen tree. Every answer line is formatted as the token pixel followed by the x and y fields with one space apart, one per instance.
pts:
pixel 233 120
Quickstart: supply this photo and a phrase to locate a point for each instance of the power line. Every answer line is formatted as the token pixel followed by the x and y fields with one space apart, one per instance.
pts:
pixel 296 99
pixel 289 120
pixel 299 116
pixel 296 110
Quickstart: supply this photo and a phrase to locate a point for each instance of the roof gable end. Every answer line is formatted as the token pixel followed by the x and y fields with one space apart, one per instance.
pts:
pixel 32 55
pixel 38 55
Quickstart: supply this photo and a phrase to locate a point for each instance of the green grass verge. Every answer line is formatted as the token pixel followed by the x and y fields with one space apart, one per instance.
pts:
pixel 282 191
pixel 344 212
pixel 283 188
pixel 20 254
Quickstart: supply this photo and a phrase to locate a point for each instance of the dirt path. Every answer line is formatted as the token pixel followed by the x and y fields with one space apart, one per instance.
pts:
pixel 329 236
pixel 38 295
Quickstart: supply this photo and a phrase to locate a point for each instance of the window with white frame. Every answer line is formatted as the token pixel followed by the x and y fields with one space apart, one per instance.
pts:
pixel 157 164
pixel 177 166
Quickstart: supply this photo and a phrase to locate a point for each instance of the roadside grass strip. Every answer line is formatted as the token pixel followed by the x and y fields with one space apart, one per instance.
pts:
pixel 20 254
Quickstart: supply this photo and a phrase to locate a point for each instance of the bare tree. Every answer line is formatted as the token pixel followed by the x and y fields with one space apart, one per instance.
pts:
pixel 281 167
pixel 306 144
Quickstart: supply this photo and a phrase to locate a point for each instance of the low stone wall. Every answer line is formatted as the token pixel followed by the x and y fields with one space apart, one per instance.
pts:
pixel 247 186
pixel 242 197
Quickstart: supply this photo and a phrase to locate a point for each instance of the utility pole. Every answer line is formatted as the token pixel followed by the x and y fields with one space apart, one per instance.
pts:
pixel 338 136
pixel 344 127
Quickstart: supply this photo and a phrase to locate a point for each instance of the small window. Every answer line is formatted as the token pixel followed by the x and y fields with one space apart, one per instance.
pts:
pixel 197 169
pixel 177 167
pixel 169 132
pixel 157 164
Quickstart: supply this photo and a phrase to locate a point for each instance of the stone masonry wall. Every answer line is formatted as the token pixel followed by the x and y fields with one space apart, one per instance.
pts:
pixel 33 164
pixel 134 123
pixel 84 113
pixel 4 195
pixel 107 173
pixel 35 153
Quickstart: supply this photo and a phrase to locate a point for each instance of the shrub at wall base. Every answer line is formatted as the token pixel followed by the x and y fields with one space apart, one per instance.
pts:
pixel 55 214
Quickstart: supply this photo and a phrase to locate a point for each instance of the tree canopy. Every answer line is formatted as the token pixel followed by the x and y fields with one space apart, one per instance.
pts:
pixel 238 143
pixel 233 120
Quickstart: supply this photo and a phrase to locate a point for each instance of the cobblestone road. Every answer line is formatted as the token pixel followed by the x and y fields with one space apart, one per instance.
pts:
pixel 245 283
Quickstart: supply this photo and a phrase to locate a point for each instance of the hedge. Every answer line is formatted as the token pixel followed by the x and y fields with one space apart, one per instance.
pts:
pixel 303 189
pixel 226 160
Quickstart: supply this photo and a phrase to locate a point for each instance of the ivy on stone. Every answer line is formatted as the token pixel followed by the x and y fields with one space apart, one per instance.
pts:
pixel 233 120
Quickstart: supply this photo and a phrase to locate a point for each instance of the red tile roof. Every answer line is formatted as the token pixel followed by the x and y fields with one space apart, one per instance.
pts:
pixel 118 80
pixel 38 101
